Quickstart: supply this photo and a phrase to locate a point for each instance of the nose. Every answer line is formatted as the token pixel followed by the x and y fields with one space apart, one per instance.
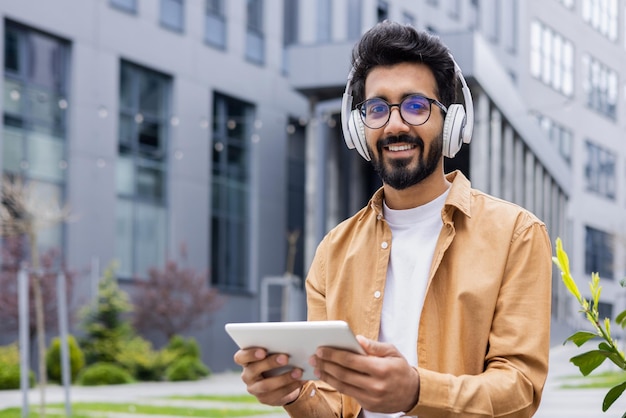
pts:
pixel 396 124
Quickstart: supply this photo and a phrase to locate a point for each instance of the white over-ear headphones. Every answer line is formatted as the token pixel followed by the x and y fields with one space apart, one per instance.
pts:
pixel 457 127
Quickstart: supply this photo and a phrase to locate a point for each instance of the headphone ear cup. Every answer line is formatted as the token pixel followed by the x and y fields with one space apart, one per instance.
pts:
pixel 453 130
pixel 357 134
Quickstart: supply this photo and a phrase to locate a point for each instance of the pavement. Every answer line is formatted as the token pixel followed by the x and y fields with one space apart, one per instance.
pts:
pixel 557 402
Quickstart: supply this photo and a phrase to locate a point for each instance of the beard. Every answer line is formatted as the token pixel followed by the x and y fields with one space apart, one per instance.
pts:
pixel 396 171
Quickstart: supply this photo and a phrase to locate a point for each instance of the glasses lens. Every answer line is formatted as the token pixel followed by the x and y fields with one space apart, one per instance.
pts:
pixel 374 113
pixel 415 109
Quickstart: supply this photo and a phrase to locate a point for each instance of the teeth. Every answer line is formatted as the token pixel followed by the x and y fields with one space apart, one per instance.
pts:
pixel 400 147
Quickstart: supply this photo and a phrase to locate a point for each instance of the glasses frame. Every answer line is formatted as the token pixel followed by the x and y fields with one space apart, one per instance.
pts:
pixel 436 102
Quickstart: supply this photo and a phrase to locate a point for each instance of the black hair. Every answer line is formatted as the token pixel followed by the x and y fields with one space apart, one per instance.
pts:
pixel 389 43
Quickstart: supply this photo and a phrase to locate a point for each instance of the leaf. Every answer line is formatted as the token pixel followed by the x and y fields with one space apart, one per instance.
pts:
pixel 562 261
pixel 612 396
pixel 580 337
pixel 621 319
pixel 589 361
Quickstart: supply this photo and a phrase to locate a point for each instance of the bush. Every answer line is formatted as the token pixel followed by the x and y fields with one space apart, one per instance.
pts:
pixel 10 368
pixel 184 347
pixel 141 360
pixel 103 374
pixel 53 359
pixel 186 368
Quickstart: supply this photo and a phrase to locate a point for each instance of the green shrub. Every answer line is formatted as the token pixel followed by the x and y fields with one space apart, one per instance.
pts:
pixel 103 374
pixel 184 347
pixel 10 368
pixel 53 359
pixel 140 359
pixel 186 368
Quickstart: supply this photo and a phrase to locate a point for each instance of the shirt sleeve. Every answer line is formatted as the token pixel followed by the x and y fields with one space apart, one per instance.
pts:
pixel 516 362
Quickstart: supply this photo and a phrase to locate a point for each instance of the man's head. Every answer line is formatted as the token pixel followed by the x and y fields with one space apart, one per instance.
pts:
pixel 399 68
pixel 390 43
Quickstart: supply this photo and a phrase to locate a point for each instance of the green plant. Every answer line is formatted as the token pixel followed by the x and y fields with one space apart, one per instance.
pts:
pixel 140 359
pixel 10 368
pixel 103 374
pixel 186 368
pixel 104 322
pixel 53 359
pixel 184 347
pixel 607 348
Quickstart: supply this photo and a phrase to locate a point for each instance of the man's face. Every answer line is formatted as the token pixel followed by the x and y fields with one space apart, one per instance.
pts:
pixel 403 154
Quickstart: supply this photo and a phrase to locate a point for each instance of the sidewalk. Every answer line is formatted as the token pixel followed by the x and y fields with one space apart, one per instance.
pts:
pixel 556 402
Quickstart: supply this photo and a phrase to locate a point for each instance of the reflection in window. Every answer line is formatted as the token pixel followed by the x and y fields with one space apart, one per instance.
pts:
pixel 215 23
pixel 141 169
pixel 600 85
pixel 560 136
pixel 126 5
pixel 232 130
pixel 255 42
pixel 34 129
pixel 602 16
pixel 598 252
pixel 600 173
pixel 551 58
pixel 172 14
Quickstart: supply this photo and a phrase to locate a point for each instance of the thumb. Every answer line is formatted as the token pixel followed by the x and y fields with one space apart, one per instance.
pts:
pixel 376 348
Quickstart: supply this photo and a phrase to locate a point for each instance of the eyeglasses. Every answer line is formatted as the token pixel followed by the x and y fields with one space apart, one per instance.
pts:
pixel 414 110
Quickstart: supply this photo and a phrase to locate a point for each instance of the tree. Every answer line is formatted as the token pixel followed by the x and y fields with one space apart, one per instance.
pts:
pixel 174 300
pixel 24 213
pixel 104 321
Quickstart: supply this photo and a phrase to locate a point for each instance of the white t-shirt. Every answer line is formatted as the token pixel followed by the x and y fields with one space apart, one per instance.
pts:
pixel 414 234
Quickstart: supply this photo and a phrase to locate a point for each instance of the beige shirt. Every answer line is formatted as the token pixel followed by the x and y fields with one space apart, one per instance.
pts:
pixel 484 332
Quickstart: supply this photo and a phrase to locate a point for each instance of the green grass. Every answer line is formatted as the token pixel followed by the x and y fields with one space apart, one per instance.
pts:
pixel 91 409
pixel 604 380
pixel 217 398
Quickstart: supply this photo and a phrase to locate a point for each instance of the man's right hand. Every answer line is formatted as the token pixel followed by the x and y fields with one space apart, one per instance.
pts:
pixel 269 389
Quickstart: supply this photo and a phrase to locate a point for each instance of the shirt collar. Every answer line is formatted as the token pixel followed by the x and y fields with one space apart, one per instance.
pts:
pixel 458 198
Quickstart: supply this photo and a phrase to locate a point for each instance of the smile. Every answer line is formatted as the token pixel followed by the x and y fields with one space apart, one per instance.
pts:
pixel 404 147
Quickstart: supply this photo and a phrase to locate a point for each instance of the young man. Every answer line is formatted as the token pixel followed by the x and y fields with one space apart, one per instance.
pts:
pixel 447 287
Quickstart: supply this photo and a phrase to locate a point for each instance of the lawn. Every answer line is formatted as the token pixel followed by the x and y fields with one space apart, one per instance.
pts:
pixel 604 380
pixel 91 409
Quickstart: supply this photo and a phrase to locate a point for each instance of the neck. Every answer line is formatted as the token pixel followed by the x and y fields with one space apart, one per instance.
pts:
pixel 419 194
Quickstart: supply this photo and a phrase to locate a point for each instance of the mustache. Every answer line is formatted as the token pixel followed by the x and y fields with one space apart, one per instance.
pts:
pixel 397 139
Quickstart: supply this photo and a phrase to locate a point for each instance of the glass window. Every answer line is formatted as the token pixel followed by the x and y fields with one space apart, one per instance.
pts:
pixel 172 14
pixel 34 130
pixel 598 253
pixel 558 135
pixel 324 21
pixel 255 42
pixel 354 19
pixel 600 173
pixel 290 30
pixel 382 11
pixel 408 19
pixel 602 15
pixel 141 169
pixel 551 58
pixel 126 5
pixel 215 23
pixel 600 84
pixel 232 129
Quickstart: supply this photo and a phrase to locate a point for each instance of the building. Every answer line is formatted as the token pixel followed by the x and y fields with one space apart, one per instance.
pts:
pixel 213 125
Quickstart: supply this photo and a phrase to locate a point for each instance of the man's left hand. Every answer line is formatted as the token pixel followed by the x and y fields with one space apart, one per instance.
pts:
pixel 381 381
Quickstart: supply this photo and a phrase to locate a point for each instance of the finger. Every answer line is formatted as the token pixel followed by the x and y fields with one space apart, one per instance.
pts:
pixel 376 348
pixel 278 390
pixel 260 369
pixel 249 355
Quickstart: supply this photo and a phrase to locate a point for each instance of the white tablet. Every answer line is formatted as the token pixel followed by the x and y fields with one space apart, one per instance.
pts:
pixel 297 339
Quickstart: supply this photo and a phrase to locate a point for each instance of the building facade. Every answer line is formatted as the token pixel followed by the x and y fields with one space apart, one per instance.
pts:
pixel 214 126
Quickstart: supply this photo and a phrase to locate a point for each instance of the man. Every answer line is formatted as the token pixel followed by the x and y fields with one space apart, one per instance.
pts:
pixel 447 287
